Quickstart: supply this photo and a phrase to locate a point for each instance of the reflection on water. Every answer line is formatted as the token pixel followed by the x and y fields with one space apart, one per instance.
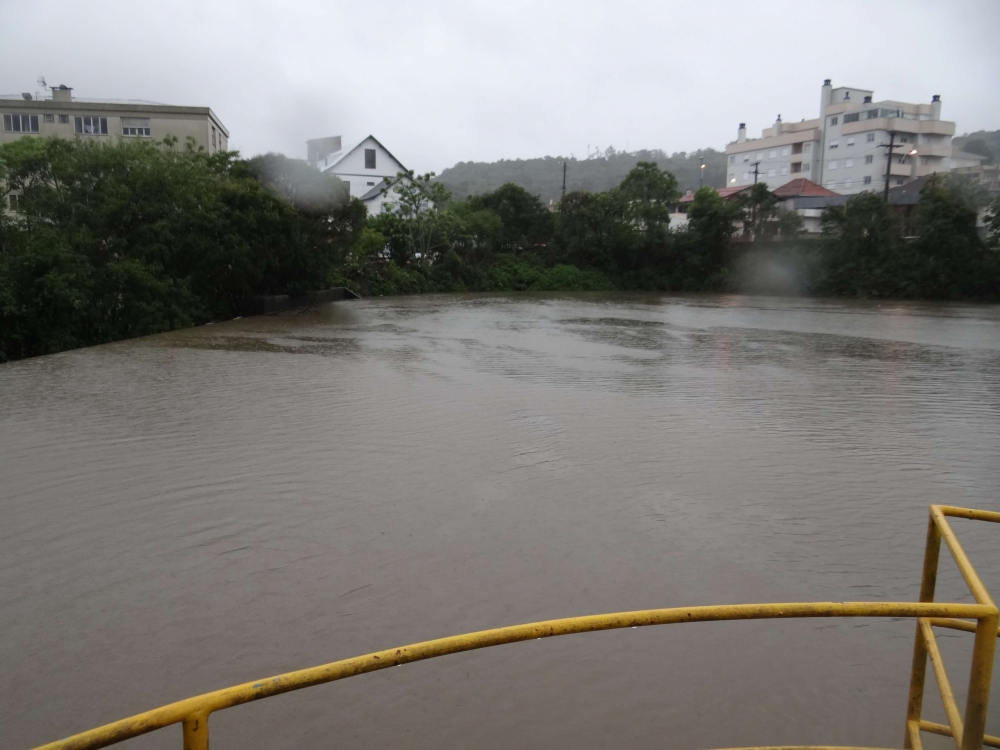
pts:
pixel 196 509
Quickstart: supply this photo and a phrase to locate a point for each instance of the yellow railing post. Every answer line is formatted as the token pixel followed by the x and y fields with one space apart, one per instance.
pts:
pixel 979 682
pixel 918 671
pixel 196 732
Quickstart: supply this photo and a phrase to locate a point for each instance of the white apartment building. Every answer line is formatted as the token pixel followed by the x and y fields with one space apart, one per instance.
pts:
pixel 64 116
pixel 844 148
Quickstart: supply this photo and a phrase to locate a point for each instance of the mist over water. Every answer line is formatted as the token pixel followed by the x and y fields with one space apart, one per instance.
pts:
pixel 197 509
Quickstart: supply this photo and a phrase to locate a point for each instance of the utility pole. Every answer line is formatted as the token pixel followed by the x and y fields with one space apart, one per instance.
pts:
pixel 564 180
pixel 889 148
pixel 701 172
pixel 756 171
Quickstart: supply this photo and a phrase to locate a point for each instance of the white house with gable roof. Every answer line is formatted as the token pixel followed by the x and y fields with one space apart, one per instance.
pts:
pixel 366 167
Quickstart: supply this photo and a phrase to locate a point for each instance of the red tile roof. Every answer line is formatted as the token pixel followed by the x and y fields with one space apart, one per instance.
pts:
pixel 726 193
pixel 801 188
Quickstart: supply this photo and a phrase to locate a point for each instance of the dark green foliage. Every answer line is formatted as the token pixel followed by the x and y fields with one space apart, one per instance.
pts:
pixel 946 259
pixel 120 240
pixel 862 248
pixel 524 222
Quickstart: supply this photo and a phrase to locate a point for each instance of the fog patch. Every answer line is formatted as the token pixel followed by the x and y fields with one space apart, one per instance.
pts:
pixel 778 272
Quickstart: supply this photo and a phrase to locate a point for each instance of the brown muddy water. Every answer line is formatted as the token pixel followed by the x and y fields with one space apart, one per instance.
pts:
pixel 188 511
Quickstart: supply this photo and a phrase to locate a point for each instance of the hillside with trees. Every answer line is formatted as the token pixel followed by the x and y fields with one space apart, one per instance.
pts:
pixel 543 177
pixel 983 142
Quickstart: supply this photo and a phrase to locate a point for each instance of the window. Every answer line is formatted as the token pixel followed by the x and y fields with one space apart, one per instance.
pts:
pixel 871 114
pixel 848 163
pixel 369 158
pixel 732 159
pixel 900 181
pixel 834 144
pixel 746 175
pixel 868 159
pixel 770 172
pixel 870 138
pixel 805 167
pixel 63 119
pixel 850 141
pixel 806 148
pixel 746 159
pixel 49 118
pixel 760 156
pixel 136 126
pixel 868 179
pixel 786 151
pixel 832 165
pixel 853 117
pixel 90 125
pixel 784 170
pixel 833 121
pixel 214 144
pixel 20 123
pixel 903 139
pixel 371 184
pixel 772 154
pixel 732 177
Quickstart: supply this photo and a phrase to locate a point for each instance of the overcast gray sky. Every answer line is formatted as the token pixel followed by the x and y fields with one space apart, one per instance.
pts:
pixel 440 82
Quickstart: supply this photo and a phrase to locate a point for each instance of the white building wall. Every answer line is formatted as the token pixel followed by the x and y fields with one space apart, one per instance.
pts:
pixel 846 156
pixel 350 167
pixel 778 163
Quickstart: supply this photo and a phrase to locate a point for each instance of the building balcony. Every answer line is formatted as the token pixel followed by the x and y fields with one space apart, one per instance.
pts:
pixel 900 125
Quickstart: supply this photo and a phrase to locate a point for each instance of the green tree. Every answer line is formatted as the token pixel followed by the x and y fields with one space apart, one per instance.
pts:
pixel 525 224
pixel 711 227
pixel 862 248
pixel 417 215
pixel 949 258
pixel 759 209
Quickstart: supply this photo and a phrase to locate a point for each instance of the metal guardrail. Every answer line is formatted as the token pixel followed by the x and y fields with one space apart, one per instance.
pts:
pixel 980 618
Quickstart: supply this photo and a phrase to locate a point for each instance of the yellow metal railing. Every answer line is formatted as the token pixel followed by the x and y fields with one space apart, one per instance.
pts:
pixel 980 618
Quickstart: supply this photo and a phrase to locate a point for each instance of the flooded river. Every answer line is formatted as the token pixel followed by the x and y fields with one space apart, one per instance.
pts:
pixel 188 511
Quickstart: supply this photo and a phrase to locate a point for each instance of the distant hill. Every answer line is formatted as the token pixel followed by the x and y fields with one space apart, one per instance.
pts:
pixel 983 142
pixel 543 176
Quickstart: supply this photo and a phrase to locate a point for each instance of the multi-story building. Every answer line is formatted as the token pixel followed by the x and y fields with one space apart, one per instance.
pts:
pixel 66 117
pixel 845 148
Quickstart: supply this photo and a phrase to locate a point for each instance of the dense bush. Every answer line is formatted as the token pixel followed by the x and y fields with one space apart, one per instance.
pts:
pixel 112 241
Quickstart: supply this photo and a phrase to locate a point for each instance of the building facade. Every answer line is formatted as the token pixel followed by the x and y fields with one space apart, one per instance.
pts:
pixel 64 116
pixel 845 148
pixel 367 168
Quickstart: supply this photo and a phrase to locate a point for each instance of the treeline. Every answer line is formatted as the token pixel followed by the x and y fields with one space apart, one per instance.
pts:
pixel 121 240
pixel 600 172
pixel 114 241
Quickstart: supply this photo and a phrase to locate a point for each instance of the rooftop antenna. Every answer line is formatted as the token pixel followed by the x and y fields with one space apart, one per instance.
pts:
pixel 44 86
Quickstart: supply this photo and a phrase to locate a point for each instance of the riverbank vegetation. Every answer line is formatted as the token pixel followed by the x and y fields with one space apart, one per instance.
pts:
pixel 113 241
